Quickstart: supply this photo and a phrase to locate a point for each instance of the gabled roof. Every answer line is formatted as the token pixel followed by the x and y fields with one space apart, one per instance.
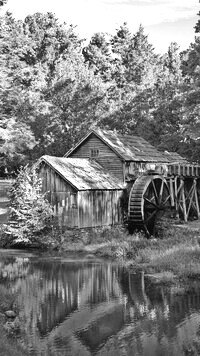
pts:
pixel 82 173
pixel 127 147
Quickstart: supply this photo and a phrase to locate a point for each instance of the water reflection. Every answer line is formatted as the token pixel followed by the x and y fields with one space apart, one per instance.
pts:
pixel 89 307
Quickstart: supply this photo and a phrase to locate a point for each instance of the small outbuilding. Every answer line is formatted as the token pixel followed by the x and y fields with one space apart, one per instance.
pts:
pixel 82 193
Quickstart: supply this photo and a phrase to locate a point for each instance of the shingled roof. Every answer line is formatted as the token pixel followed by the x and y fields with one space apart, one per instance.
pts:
pixel 174 157
pixel 127 147
pixel 82 173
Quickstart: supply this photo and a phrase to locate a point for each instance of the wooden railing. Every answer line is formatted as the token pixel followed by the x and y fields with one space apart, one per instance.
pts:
pixel 185 170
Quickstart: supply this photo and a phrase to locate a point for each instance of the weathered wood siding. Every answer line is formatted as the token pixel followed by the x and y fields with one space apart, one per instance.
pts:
pixel 65 207
pixel 99 208
pixel 137 169
pixel 61 195
pixel 51 181
pixel 4 200
pixel 107 158
pixel 80 209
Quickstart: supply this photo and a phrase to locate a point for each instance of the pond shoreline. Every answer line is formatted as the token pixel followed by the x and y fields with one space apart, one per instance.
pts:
pixel 171 258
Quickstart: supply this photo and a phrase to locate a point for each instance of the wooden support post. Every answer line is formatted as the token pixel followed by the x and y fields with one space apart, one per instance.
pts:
pixel 182 194
pixel 192 170
pixel 196 198
pixel 176 197
pixel 183 170
pixel 171 189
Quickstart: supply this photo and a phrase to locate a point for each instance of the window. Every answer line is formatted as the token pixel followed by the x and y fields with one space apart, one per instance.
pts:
pixel 94 153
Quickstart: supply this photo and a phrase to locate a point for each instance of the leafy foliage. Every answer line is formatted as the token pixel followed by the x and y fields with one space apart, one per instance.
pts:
pixel 31 214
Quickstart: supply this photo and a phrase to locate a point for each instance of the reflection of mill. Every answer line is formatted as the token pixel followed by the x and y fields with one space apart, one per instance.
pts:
pixel 136 287
pixel 106 299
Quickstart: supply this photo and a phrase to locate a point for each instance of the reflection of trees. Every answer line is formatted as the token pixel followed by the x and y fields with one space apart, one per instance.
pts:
pixel 14 268
pixel 96 307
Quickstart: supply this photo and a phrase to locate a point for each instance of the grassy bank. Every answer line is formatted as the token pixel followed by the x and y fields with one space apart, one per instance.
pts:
pixel 174 255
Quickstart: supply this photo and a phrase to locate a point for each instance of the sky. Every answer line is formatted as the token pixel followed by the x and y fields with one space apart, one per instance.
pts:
pixel 165 21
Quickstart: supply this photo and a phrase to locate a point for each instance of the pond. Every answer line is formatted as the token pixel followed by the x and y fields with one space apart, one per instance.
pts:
pixel 87 306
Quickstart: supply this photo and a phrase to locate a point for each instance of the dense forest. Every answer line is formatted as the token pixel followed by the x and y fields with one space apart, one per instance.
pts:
pixel 54 88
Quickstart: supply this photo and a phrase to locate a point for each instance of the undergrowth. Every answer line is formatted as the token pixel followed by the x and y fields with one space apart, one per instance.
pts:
pixel 175 253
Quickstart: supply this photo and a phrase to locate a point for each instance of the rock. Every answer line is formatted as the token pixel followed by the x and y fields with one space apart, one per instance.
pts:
pixel 16 324
pixel 10 314
pixel 2 318
pixel 12 327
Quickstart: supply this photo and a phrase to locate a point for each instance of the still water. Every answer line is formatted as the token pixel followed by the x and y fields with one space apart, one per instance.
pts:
pixel 85 306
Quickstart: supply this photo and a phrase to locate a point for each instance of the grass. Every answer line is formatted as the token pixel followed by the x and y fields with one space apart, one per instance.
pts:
pixel 175 254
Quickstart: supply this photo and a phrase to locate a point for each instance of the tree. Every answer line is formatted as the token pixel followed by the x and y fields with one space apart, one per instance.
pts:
pixel 136 58
pixel 31 51
pixel 77 101
pixel 31 214
pixel 197 26
pixel 97 55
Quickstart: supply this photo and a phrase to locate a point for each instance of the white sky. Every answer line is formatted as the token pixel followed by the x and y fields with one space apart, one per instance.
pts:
pixel 164 20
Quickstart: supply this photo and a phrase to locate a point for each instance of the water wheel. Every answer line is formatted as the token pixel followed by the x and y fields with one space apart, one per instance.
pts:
pixel 148 201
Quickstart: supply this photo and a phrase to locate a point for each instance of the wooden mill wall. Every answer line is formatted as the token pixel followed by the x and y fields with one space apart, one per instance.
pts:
pixel 80 208
pixel 99 208
pixel 137 169
pixel 107 158
pixel 62 196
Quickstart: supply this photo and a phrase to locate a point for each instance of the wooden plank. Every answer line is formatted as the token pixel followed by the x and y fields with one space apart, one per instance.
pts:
pixel 176 195
pixel 171 189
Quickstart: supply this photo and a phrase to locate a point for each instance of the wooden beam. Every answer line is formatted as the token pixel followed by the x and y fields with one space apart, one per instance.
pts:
pixel 190 196
pixel 176 196
pixel 171 189
pixel 196 198
pixel 183 200
pixel 180 200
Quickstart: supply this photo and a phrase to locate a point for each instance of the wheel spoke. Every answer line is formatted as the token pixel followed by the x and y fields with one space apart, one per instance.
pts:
pixel 161 191
pixel 155 191
pixel 151 216
pixel 165 201
pixel 151 202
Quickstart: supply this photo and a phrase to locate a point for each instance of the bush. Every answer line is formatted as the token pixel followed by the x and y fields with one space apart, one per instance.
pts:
pixel 31 214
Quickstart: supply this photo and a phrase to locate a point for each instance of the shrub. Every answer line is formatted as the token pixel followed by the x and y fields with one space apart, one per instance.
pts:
pixel 30 214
